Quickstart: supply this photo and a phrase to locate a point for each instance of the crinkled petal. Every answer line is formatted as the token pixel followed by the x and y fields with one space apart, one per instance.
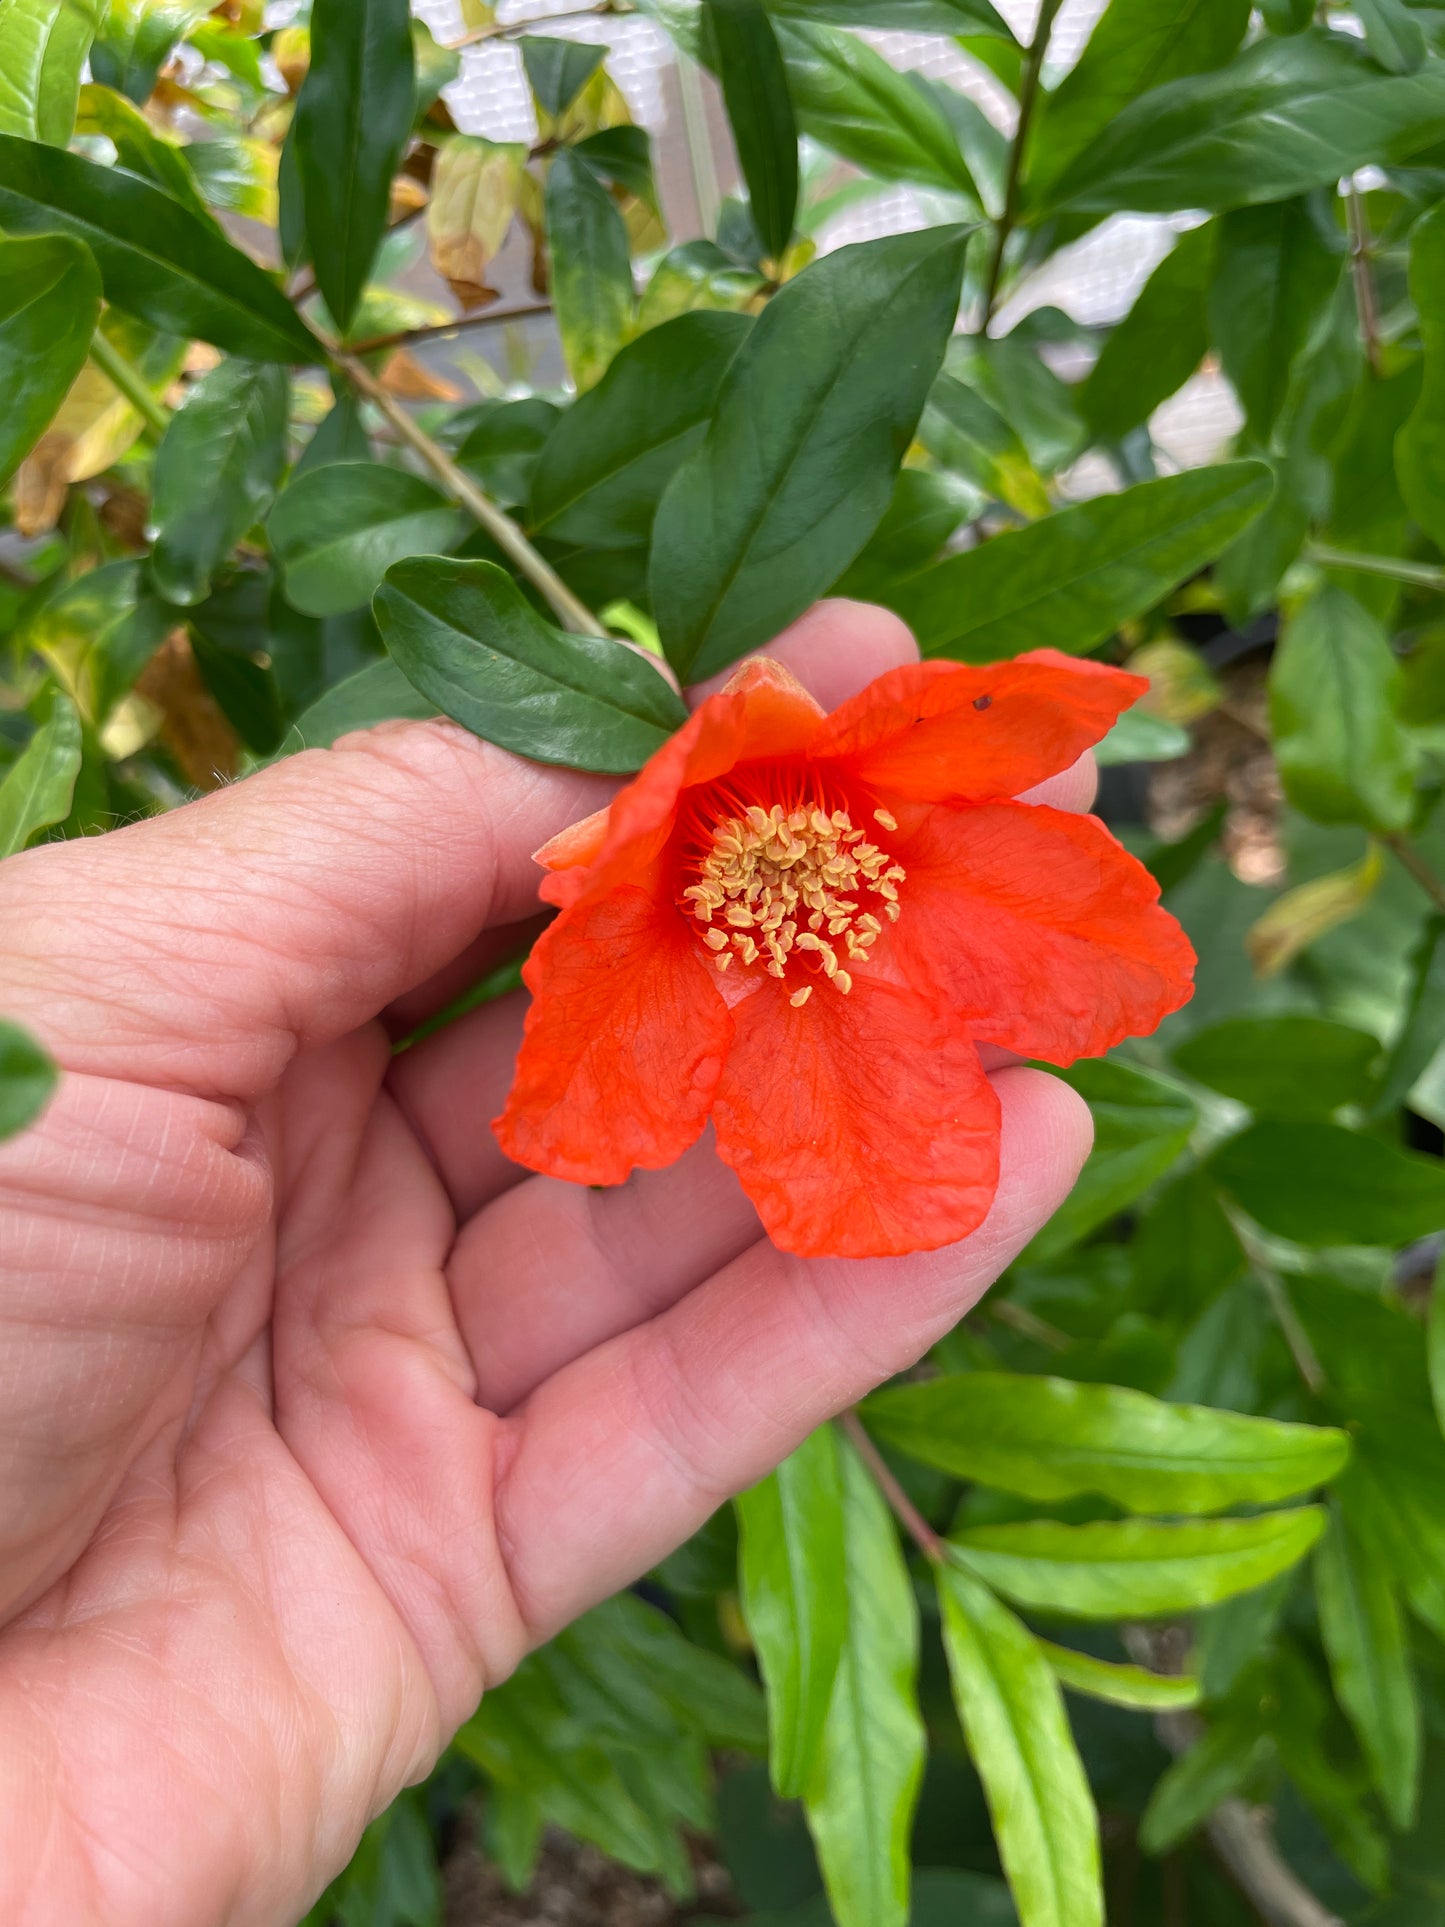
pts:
pixel 860 1126
pixel 945 732
pixel 764 712
pixel 624 1044
pixel 1041 931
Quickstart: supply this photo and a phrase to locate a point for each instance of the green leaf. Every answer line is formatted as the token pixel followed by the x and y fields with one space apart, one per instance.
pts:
pixel 337 530
pixel 43 49
pixel 157 259
pixel 1222 1762
pixel 771 509
pixel 1276 269
pixel 1420 446
pixel 1139 737
pixel 502 442
pixel 49 307
pixel 760 113
pixel 27 1080
pixel 353 119
pixel 472 644
pixel 908 16
pixel 1422 1030
pixel 1050 1438
pixel 558 70
pixel 1285 1066
pixel 139 148
pixel 1394 39
pixel 36 791
pixel 605 464
pixel 245 690
pixel 967 434
pixel 849 99
pixel 1070 580
pixel 1137 45
pixel 1013 1718
pixel 1157 346
pixel 795 1602
pixel 1435 1347
pixel 380 693
pixel 1141 1125
pixel 98 632
pixel 216 473
pixel 592 290
pixel 1131 1686
pixel 926 509
pixel 861 1801
pixel 1320 1185
pixel 1135 1568
pixel 437 66
pixel 1286 116
pixel 1365 1639
pixel 137 39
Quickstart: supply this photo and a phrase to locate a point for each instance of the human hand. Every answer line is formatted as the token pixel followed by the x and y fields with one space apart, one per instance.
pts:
pixel 315 1413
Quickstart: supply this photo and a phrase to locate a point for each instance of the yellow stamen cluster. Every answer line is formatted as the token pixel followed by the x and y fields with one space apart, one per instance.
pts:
pixel 778 884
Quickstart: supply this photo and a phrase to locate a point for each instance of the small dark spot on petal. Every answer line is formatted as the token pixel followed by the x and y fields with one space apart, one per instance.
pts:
pixel 983 702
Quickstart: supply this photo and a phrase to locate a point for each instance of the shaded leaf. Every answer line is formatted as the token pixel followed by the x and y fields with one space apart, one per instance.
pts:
pixel 216 473
pixel 926 509
pixel 760 113
pixel 1284 1066
pixel 27 1079
pixel 558 70
pixel 966 433
pixel 49 307
pixel 136 40
pixel 592 290
pixel 98 633
pixel 380 693
pixel 1422 1031
pixel 1222 1762
pixel 1157 346
pixel 1275 271
pixel 1420 447
pixel 911 16
pixel 1321 1185
pixel 36 791
pixel 337 530
pixel 470 641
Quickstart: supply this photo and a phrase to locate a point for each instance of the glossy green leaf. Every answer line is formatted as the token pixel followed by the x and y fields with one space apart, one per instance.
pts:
pixel 1136 45
pixel 36 791
pixel 1286 116
pixel 27 1080
pixel 760 113
pixel 1422 1032
pixel 1221 1762
pixel 1321 1185
pixel 157 259
pixel 558 70
pixel 471 642
pixel 849 99
pixel 592 290
pixel 136 40
pixel 1157 346
pixel 1365 1639
pixel 793 1582
pixel 1011 373
pixel 216 473
pixel 768 512
pixel 98 633
pixel 1141 1124
pixel 908 16
pixel 965 432
pixel 502 442
pixel 1420 446
pixel 1050 1438
pixel 697 275
pixel 353 118
pixel 603 468
pixel 1139 737
pixel 1135 1568
pixel 1276 269
pixel 1343 755
pixel 380 693
pixel 337 530
pixel 861 1800
pixel 1284 1066
pixel 138 147
pixel 43 49
pixel 49 307
pixel 1117 1685
pixel 1070 580
pixel 245 690
pixel 928 506
pixel 1013 1719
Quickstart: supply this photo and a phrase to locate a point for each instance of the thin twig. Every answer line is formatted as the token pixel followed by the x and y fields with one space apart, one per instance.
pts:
pixel 504 29
pixel 1423 575
pixel 1028 96
pixel 572 613
pixel 119 373
pixel 902 1507
pixel 439 330
pixel 1404 851
pixel 1365 302
pixel 1028 1324
pixel 1286 1317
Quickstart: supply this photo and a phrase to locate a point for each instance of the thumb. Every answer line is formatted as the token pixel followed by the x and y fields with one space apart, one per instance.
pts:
pixel 200 950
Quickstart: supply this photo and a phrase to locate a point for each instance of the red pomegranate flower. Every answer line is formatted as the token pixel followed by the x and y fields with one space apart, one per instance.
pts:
pixel 802 926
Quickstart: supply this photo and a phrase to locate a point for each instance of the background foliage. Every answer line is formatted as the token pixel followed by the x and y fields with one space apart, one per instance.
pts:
pixel 1168 1609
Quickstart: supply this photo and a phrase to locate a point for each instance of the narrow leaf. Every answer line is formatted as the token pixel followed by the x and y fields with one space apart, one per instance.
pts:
pixel 1422 1032
pixel 760 113
pixel 1157 346
pixel 1220 1764
pixel 43 48
pixel 1276 270
pixel 337 530
pixel 216 473
pixel 38 787
pixel 471 643
pixel 1131 1686
pixel 27 1080
pixel 1319 1184
pixel 811 426
pixel 49 307
pixel 592 290
pixel 1420 447
pixel 1013 1718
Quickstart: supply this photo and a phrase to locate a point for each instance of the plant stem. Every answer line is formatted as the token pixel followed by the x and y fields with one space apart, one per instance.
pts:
pixel 438 330
pixel 901 1506
pixel 502 29
pixel 1285 1315
pixel 572 613
pixel 1409 858
pixel 119 373
pixel 1365 303
pixel 1424 575
pixel 1028 97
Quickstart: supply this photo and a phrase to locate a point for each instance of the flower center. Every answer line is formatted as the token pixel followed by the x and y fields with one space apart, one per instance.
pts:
pixel 782 885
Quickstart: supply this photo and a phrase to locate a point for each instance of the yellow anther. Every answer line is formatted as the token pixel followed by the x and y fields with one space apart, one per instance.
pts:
pixel 886 819
pixel 842 981
pixel 715 940
pixel 800 997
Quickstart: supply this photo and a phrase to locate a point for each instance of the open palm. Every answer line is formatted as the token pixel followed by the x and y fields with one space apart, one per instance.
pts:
pixel 316 1414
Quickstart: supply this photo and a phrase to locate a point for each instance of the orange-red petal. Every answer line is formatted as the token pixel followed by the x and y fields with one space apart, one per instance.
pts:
pixel 860 1126
pixel 1038 929
pixel 624 1044
pixel 938 732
